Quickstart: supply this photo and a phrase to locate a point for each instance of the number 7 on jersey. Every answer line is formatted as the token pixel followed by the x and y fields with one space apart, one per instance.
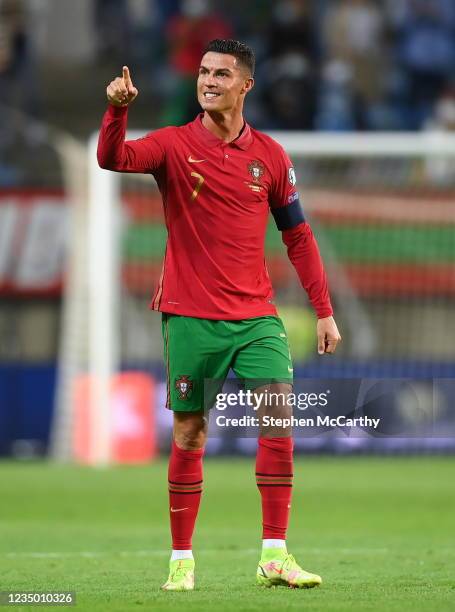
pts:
pixel 197 189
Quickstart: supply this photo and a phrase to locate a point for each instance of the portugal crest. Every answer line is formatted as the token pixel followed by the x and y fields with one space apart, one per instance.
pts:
pixel 184 386
pixel 256 169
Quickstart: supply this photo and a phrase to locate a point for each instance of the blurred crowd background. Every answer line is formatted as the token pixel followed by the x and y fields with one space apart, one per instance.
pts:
pixel 326 65
pixel 321 65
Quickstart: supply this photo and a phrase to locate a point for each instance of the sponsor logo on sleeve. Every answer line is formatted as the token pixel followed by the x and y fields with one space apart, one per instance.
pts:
pixel 291 176
pixel 293 197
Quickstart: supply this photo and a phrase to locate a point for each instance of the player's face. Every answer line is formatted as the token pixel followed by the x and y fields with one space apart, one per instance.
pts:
pixel 222 83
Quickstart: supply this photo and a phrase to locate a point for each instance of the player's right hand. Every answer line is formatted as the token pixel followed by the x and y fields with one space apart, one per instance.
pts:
pixel 121 91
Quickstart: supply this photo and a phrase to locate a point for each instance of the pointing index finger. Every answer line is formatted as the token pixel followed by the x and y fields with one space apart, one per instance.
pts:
pixel 126 75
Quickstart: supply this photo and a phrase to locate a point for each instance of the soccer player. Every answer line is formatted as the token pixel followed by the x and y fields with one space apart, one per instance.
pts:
pixel 219 178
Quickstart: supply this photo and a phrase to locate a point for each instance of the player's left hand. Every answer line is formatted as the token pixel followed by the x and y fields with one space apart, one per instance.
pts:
pixel 328 335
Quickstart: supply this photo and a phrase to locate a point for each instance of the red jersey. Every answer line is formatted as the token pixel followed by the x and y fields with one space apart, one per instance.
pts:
pixel 216 198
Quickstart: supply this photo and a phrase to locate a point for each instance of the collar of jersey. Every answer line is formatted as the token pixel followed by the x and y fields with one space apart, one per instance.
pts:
pixel 242 142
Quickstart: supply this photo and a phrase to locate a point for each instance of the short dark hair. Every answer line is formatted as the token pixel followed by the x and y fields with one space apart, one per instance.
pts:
pixel 239 50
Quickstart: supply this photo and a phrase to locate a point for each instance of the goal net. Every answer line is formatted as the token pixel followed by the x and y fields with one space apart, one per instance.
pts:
pixel 382 207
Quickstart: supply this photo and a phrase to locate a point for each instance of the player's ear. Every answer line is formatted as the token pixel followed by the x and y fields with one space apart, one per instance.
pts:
pixel 248 85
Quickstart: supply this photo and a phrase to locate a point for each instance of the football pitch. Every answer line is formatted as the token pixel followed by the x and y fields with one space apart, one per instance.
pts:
pixel 380 532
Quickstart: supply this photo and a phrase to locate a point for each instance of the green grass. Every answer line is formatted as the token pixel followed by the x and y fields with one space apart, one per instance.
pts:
pixel 379 531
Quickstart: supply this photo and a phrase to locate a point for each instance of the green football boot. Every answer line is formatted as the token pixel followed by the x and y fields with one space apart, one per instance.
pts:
pixel 277 567
pixel 181 576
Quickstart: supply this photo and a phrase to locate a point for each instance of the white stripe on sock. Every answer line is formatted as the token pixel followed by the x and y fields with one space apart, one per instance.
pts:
pixel 273 543
pixel 181 554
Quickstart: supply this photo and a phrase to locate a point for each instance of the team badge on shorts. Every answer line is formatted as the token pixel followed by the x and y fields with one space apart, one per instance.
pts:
pixel 184 386
pixel 256 169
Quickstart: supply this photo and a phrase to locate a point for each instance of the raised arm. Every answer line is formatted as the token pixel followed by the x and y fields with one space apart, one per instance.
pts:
pixel 142 155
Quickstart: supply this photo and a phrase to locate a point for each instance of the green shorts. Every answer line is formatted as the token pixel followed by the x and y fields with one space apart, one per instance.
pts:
pixel 199 349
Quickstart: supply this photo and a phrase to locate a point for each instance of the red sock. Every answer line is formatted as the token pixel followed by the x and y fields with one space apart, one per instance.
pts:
pixel 185 488
pixel 274 480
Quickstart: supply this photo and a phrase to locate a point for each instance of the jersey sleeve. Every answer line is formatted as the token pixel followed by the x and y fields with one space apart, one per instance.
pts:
pixel 302 248
pixel 303 252
pixel 284 198
pixel 144 155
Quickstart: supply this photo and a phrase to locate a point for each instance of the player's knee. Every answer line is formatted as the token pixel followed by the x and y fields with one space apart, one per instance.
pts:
pixel 275 410
pixel 189 440
pixel 189 431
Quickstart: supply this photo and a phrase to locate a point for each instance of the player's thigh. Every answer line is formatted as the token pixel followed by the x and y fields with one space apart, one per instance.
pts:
pixel 263 355
pixel 194 351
